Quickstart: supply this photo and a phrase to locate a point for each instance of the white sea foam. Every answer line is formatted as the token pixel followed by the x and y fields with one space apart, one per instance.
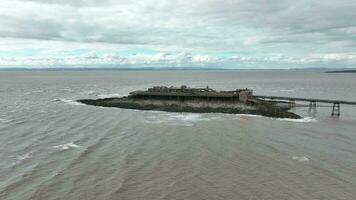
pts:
pixel 189 117
pixel 90 92
pixel 303 120
pixel 248 116
pixel 67 146
pixel 67 90
pixel 2 120
pixel 162 117
pixel 110 95
pixel 23 157
pixel 291 90
pixel 185 119
pixel 71 102
pixel 36 91
pixel 286 90
pixel 301 158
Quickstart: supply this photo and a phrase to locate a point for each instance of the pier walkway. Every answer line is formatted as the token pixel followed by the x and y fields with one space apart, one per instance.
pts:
pixel 312 102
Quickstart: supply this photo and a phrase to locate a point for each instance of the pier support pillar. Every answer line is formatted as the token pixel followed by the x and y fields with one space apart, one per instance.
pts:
pixel 312 108
pixel 336 109
pixel 292 103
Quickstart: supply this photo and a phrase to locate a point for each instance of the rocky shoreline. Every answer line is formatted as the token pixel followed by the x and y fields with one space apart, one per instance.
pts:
pixel 253 107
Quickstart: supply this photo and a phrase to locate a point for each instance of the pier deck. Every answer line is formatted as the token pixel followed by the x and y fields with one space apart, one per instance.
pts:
pixel 312 102
pixel 306 99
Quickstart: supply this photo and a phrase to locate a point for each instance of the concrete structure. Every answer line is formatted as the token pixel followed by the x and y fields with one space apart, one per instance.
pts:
pixel 186 93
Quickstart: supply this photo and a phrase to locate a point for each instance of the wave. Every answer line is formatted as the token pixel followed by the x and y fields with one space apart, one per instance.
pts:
pixel 164 117
pixel 71 102
pixel 185 119
pixel 2 120
pixel 291 90
pixel 67 90
pixel 103 96
pixel 90 92
pixel 67 146
pixel 36 91
pixel 301 158
pixel 249 115
pixel 21 158
pixel 110 95
pixel 303 120
pixel 188 117
pixel 24 157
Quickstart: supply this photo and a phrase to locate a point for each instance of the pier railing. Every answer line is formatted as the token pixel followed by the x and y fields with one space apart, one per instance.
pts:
pixel 312 102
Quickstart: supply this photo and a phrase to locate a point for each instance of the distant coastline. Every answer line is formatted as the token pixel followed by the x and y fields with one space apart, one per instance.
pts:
pixel 134 69
pixel 54 69
pixel 342 71
pixel 111 69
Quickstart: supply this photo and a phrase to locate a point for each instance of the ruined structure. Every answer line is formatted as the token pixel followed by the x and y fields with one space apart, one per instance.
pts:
pixel 198 100
pixel 185 93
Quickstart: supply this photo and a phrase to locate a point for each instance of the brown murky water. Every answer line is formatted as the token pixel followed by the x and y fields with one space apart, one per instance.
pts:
pixel 54 148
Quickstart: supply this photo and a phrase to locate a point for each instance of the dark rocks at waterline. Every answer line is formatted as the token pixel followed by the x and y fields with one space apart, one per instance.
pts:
pixel 261 108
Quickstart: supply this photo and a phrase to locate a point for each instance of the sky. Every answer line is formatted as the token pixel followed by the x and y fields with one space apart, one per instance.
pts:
pixel 178 33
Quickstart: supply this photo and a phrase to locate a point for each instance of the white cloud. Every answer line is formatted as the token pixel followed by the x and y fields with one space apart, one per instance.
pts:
pixel 182 59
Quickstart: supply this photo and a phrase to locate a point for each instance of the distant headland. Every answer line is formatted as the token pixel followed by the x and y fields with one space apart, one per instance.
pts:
pixel 342 71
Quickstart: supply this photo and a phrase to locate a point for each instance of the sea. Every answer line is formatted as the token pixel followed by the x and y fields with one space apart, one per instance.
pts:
pixel 54 148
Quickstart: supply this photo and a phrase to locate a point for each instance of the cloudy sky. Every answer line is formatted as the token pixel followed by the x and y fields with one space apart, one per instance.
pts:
pixel 183 33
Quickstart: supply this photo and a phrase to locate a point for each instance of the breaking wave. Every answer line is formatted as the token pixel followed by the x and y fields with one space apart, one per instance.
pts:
pixel 188 117
pixel 71 102
pixel 164 117
pixel 302 120
pixel 110 95
pixel 183 118
pixel 67 146
pixel 248 116
pixel 90 92
pixel 24 157
pixel 2 120
pixel 21 158
pixel 67 90
pixel 301 158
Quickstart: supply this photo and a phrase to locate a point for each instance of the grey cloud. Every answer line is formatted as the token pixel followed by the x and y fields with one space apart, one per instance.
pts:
pixel 76 3
pixel 284 15
pixel 249 26
pixel 289 17
pixel 33 28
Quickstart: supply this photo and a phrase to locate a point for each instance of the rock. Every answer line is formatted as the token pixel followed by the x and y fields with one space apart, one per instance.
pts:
pixel 255 107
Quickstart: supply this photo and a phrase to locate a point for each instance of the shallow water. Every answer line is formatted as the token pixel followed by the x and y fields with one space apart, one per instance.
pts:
pixel 52 147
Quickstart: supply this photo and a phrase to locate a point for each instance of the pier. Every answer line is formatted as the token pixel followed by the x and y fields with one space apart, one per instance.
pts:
pixel 312 102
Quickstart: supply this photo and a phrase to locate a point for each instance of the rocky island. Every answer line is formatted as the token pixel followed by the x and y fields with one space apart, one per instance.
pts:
pixel 196 100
